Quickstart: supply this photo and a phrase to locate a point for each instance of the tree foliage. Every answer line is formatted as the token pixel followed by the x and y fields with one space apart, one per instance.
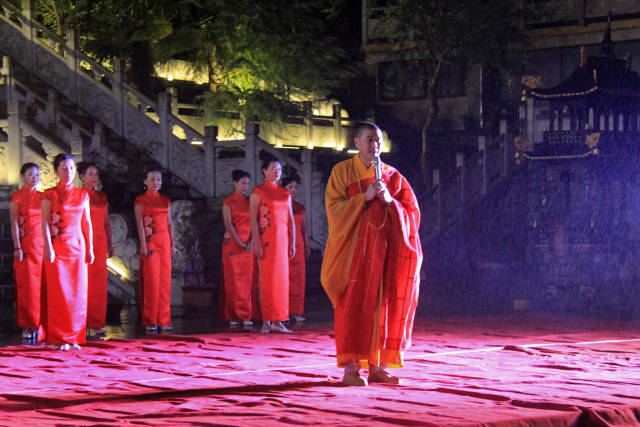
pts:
pixel 439 32
pixel 260 55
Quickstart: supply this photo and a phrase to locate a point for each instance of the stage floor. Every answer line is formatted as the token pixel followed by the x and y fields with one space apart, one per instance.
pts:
pixel 527 370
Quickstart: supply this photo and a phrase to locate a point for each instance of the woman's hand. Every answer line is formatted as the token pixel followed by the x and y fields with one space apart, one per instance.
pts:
pixel 17 254
pixel 250 245
pixel 292 251
pixel 143 250
pixel 257 249
pixel 49 254
pixel 90 257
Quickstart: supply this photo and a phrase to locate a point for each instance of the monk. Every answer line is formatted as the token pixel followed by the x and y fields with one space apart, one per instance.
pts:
pixel 372 260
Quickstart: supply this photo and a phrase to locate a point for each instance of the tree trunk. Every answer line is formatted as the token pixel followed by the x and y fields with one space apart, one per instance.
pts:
pixel 426 153
pixel 141 70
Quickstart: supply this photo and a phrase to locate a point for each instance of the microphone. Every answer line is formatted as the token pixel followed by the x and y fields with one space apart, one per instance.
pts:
pixel 376 167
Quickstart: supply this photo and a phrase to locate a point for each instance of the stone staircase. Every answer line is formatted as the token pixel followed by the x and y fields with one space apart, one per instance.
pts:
pixel 54 98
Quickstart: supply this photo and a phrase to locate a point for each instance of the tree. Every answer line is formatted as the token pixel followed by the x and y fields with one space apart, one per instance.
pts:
pixel 439 32
pixel 260 55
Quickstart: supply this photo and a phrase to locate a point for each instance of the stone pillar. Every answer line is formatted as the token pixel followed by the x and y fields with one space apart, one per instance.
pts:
pixel 210 138
pixel 72 61
pixel 308 121
pixel 165 136
pixel 437 198
pixel 337 125
pixel 118 97
pixel 482 148
pixel 307 184
pixel 52 107
pixel 251 135
pixel 460 174
pixel 76 144
pixel 97 139
pixel 16 111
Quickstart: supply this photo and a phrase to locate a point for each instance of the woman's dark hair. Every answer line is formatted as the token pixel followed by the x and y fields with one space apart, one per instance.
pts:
pixel 268 160
pixel 238 174
pixel 289 179
pixel 25 168
pixel 58 159
pixel 84 166
pixel 152 169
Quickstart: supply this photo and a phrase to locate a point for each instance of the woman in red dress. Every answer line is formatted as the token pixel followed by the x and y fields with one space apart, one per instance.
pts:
pixel 273 233
pixel 26 231
pixel 237 256
pixel 102 249
pixel 297 267
pixel 68 248
pixel 156 246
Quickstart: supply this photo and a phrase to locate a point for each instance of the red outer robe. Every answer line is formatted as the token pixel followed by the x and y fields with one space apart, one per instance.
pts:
pixel 64 308
pixel 297 267
pixel 238 265
pixel 371 265
pixel 273 268
pixel 98 275
pixel 155 268
pixel 28 272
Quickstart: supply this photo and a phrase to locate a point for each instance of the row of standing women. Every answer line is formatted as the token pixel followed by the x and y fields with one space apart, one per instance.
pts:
pixel 264 251
pixel 62 239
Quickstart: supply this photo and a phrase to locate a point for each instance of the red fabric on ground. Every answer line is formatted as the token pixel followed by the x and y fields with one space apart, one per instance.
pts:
pixel 503 371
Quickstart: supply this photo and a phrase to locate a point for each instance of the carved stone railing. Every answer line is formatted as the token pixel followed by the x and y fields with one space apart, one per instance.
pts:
pixel 104 95
pixel 472 178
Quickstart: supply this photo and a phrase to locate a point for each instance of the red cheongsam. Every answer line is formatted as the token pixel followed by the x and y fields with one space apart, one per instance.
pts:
pixel 155 268
pixel 237 263
pixel 297 268
pixel 64 308
pixel 273 222
pixel 98 275
pixel 28 272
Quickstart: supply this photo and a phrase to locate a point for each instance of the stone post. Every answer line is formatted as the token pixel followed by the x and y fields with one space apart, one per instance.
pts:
pixel 210 138
pixel 27 30
pixel 118 97
pixel 307 184
pixel 460 174
pixel 482 148
pixel 308 121
pixel 337 125
pixel 76 144
pixel 437 198
pixel 165 129
pixel 16 112
pixel 72 61
pixel 251 135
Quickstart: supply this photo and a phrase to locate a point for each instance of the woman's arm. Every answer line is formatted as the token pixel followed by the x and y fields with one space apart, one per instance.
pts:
pixel 107 230
pixel 254 203
pixel 292 232
pixel 170 228
pixel 49 254
pixel 87 230
pixel 138 210
pixel 14 209
pixel 228 225
pixel 307 249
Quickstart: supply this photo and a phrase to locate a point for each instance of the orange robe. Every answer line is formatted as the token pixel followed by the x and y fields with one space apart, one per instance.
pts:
pixel 371 265
pixel 155 268
pixel 238 264
pixel 273 268
pixel 64 308
pixel 297 267
pixel 28 272
pixel 98 275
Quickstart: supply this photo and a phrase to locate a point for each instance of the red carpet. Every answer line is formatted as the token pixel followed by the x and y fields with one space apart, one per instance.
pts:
pixel 501 371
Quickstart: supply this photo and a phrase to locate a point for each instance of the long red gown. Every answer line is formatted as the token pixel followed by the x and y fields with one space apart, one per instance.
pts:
pixel 297 267
pixel 98 275
pixel 238 264
pixel 155 268
pixel 64 308
pixel 273 222
pixel 28 272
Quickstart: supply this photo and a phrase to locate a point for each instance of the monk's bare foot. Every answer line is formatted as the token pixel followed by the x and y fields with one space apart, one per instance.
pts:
pixel 382 376
pixel 279 327
pixel 353 379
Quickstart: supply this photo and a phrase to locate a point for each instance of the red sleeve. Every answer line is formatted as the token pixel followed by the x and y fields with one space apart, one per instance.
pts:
pixel 14 197
pixel 49 195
